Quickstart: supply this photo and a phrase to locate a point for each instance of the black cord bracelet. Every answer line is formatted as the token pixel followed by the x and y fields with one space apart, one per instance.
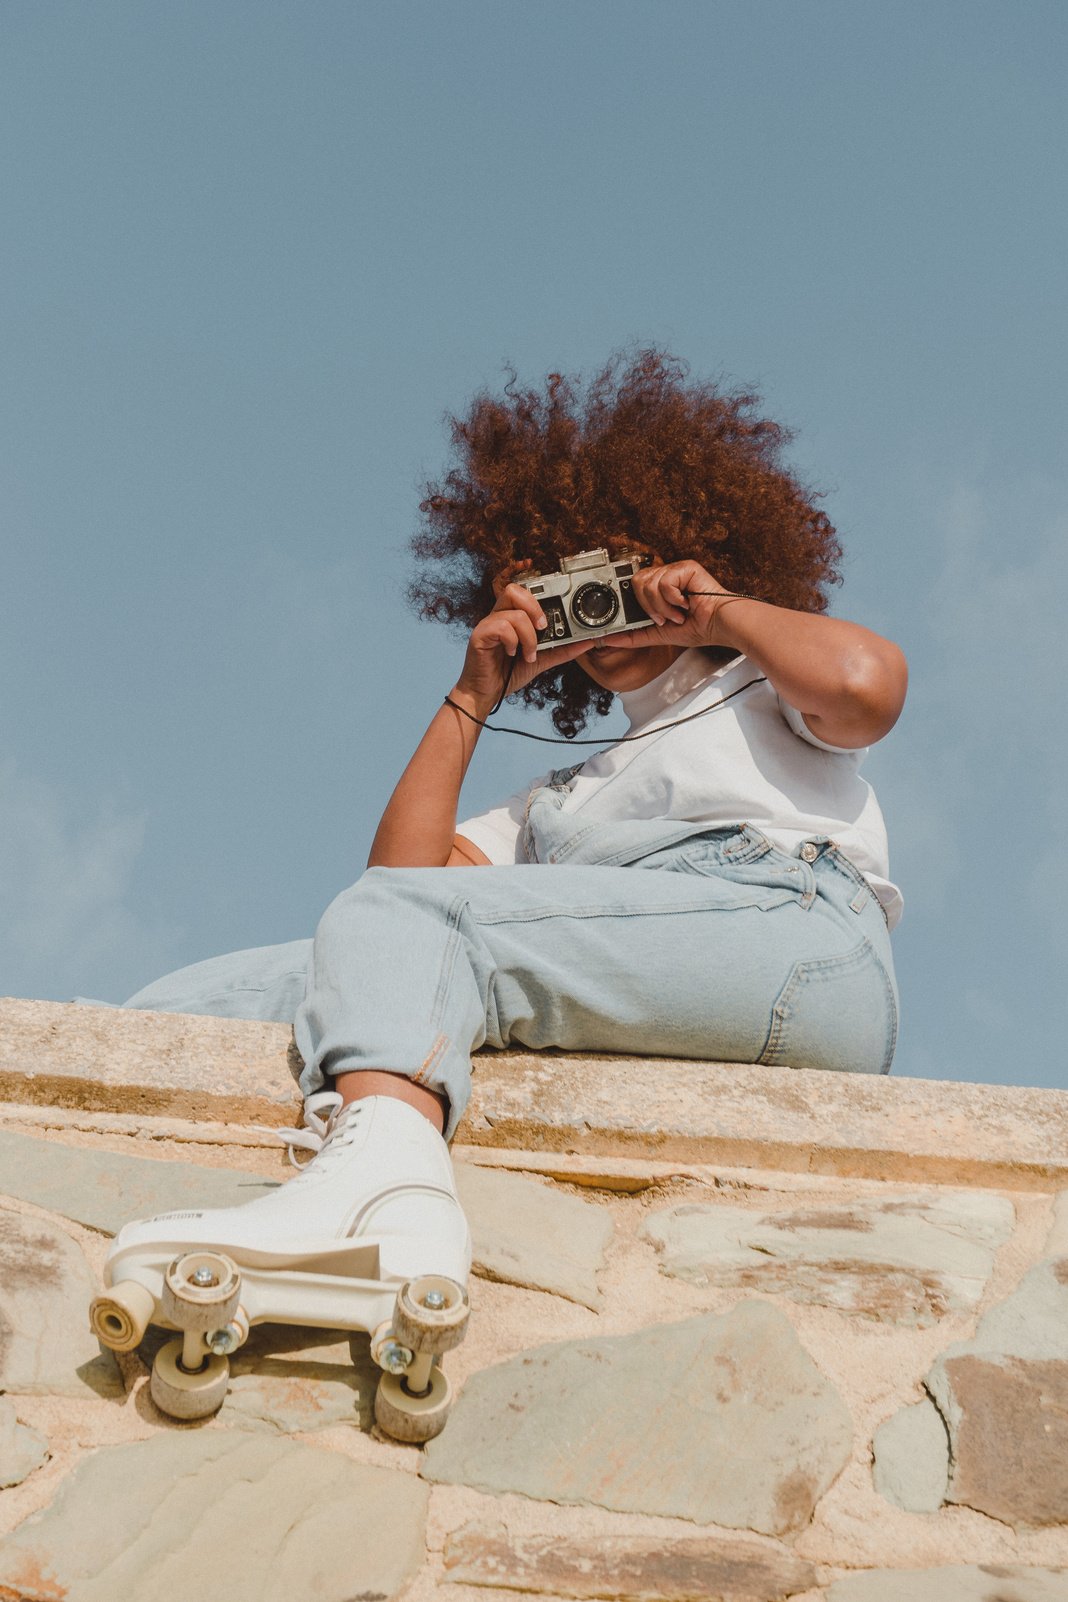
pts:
pixel 729 595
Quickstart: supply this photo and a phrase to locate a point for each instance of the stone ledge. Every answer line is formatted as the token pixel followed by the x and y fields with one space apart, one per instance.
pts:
pixel 107 1060
pixel 794 1120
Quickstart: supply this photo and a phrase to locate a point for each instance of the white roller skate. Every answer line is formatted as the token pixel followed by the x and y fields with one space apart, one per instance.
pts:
pixel 370 1236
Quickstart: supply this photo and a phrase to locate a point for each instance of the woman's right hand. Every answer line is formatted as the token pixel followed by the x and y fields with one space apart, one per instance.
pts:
pixel 507 640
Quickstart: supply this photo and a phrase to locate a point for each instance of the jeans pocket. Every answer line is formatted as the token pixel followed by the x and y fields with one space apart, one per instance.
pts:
pixel 838 1013
pixel 770 879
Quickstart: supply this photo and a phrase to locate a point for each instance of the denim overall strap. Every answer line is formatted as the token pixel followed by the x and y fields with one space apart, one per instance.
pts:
pixel 551 835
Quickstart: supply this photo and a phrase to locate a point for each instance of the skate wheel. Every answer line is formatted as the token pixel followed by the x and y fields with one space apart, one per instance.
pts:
pixel 200 1292
pixel 185 1395
pixel 121 1315
pixel 434 1329
pixel 412 1418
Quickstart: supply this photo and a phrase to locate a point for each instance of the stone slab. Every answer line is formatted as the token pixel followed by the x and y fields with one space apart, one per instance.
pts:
pixel 1031 1322
pixel 614 1422
pixel 1004 1397
pixel 627 1568
pixel 1010 1438
pixel 797 1120
pixel 21 1448
pixel 219 1516
pixel 993 1582
pixel 900 1259
pixel 525 1233
pixel 45 1289
pixel 911 1452
pixel 104 1189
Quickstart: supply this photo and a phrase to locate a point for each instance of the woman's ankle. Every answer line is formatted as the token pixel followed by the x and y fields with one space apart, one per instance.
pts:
pixel 379 1082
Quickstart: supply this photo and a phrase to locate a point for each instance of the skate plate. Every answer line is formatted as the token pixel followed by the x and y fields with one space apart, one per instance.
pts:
pixel 213 1294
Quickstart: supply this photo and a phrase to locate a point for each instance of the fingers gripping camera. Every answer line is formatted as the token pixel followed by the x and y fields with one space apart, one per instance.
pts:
pixel 592 595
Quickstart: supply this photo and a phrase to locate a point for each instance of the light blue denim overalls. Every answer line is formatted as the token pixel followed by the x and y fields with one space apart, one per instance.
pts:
pixel 639 936
pixel 642 936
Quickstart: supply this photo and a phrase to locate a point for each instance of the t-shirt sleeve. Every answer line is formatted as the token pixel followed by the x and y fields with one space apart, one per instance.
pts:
pixel 499 832
pixel 796 721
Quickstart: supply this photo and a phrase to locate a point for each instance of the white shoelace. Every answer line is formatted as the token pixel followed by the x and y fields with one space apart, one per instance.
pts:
pixel 319 1130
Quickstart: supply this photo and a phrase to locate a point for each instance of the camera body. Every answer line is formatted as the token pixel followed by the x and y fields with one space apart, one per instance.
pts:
pixel 592 595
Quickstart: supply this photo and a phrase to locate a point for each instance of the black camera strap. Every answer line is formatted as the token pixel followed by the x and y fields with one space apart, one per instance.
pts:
pixel 624 739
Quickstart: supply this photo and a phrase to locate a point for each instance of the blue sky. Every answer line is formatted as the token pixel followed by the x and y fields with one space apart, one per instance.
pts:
pixel 252 254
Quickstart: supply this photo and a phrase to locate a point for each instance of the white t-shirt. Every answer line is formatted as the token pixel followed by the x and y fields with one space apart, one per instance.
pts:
pixel 752 761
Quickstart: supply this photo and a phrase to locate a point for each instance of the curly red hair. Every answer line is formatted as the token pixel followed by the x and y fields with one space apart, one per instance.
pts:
pixel 640 458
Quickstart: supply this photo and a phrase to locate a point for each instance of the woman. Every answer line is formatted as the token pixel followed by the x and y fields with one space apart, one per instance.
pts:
pixel 715 885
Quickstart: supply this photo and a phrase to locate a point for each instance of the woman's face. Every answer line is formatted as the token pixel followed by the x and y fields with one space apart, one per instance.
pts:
pixel 628 669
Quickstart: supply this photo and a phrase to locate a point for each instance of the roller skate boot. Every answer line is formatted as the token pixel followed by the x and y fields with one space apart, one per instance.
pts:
pixel 369 1236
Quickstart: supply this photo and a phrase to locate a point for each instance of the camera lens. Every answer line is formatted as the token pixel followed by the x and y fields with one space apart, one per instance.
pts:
pixel 594 605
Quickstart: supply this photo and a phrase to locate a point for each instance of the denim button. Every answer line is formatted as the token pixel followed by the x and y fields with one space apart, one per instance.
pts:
pixel 809 852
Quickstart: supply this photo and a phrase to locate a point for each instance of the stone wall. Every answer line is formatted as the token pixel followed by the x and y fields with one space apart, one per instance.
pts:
pixel 738 1333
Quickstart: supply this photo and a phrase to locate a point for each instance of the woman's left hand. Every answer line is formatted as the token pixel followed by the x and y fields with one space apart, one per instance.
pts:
pixel 678 617
pixel 847 682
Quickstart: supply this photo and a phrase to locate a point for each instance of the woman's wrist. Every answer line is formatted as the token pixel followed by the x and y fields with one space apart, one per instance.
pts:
pixel 730 618
pixel 470 701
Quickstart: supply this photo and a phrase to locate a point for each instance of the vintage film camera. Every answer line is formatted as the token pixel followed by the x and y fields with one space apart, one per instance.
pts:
pixel 591 595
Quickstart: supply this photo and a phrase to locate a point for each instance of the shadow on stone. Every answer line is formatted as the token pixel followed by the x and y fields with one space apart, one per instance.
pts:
pixel 287 1378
